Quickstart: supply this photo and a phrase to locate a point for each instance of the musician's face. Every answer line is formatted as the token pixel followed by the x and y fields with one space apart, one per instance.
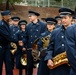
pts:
pixel 15 22
pixel 23 26
pixel 10 22
pixel 66 20
pixel 50 27
pixel 32 18
pixel 7 18
pixel 59 22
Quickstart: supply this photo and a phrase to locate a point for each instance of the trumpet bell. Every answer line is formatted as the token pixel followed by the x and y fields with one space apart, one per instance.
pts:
pixel 23 60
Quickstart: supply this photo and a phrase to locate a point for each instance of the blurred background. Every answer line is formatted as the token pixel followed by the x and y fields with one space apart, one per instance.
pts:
pixel 47 8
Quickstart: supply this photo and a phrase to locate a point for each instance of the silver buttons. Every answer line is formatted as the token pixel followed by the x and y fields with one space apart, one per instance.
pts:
pixel 35 36
pixel 31 35
pixel 62 36
pixel 0 46
pixel 22 36
pixel 31 30
pixel 62 44
pixel 36 30
pixel 31 42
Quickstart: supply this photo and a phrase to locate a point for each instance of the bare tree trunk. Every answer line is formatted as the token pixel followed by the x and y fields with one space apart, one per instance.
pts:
pixel 7 4
pixel 75 10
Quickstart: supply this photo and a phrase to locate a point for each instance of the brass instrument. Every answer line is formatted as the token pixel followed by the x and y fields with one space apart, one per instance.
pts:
pixel 23 59
pixel 13 48
pixel 45 41
pixel 35 51
pixel 59 59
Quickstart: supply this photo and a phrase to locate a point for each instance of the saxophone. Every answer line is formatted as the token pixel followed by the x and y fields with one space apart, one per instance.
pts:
pixel 59 59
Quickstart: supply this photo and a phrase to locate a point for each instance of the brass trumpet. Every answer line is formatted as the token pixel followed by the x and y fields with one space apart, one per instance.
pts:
pixel 23 60
pixel 14 48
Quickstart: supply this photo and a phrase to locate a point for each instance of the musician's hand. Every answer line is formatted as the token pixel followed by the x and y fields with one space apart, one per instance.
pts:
pixel 20 43
pixel 50 63
pixel 23 49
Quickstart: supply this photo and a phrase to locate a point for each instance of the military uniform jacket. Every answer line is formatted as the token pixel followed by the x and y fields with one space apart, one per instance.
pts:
pixel 43 69
pixel 5 35
pixel 21 35
pixel 71 45
pixel 57 43
pixel 33 32
pixel 14 31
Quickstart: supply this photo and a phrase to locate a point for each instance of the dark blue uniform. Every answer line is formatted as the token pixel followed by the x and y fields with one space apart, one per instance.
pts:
pixel 21 36
pixel 57 26
pixel 5 55
pixel 58 18
pixel 33 32
pixel 57 46
pixel 71 47
pixel 14 30
pixel 43 69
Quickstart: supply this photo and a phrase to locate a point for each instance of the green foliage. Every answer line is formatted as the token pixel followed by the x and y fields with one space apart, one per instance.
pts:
pixel 12 1
pixel 0 1
pixel 58 0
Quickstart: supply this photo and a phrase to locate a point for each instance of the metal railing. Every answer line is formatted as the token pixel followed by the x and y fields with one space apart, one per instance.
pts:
pixel 51 3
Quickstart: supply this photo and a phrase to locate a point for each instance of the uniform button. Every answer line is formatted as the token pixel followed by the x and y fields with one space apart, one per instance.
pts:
pixel 62 36
pixel 0 46
pixel 13 30
pixel 13 34
pixel 21 36
pixel 36 30
pixel 31 35
pixel 35 36
pixel 31 42
pixel 62 44
pixel 18 30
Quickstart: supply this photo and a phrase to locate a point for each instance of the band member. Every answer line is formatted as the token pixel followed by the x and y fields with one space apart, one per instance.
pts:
pixel 5 39
pixel 43 19
pixel 33 31
pixel 10 22
pixel 71 47
pixel 14 30
pixel 21 47
pixel 58 18
pixel 43 69
pixel 74 19
pixel 57 44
